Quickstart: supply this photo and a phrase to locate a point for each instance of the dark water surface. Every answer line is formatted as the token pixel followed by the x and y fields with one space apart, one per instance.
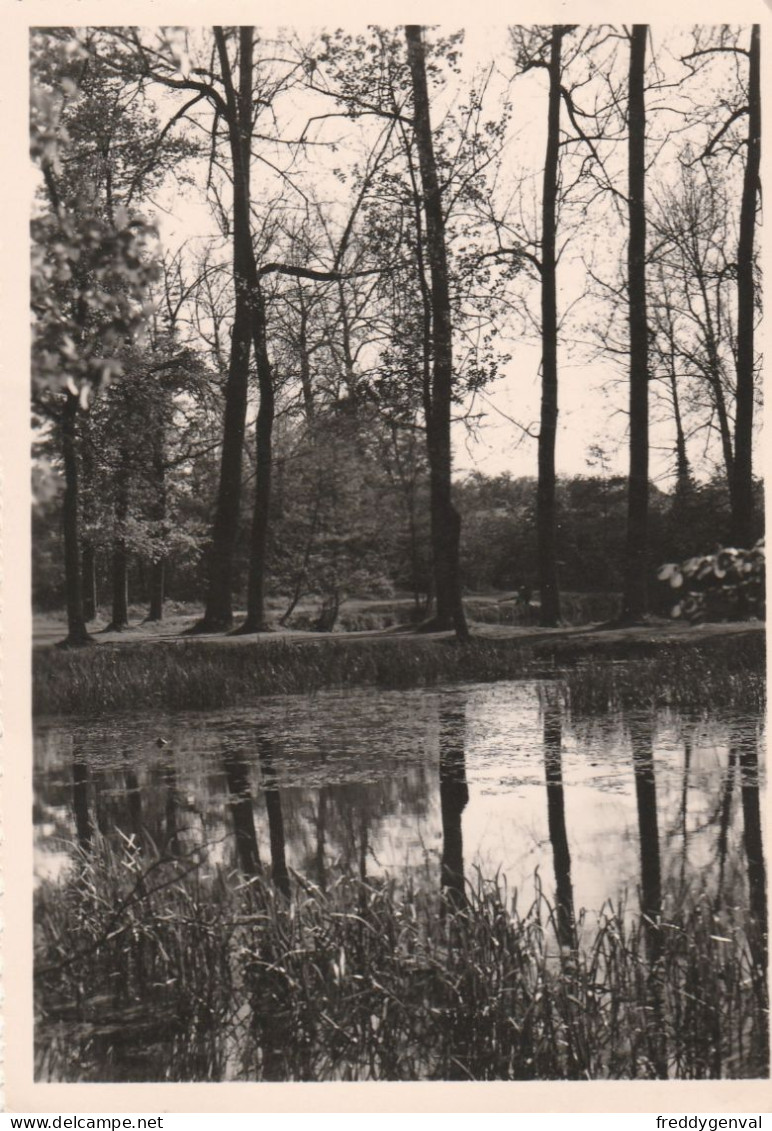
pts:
pixel 439 788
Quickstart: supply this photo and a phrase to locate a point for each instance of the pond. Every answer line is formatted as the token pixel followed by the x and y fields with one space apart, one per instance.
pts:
pixel 444 790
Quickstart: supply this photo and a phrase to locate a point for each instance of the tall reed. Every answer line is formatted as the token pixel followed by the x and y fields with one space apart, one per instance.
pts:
pixel 155 969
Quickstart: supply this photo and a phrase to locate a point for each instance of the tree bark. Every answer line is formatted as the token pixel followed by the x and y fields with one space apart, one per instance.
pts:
pixel 742 493
pixel 158 565
pixel 634 599
pixel 256 621
pixel 545 495
pixel 73 580
pixel 88 572
pixel 445 519
pixel 218 615
pixel 120 557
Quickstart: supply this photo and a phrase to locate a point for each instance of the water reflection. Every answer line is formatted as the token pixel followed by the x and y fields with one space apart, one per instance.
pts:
pixel 172 808
pixel 724 820
pixel 431 790
pixel 651 884
pixel 80 806
pixel 556 821
pixel 242 813
pixel 454 796
pixel 279 872
pixel 413 785
pixel 757 879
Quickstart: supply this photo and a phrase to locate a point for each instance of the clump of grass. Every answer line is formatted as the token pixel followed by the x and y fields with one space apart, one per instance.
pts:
pixel 200 674
pixel 155 970
pixel 190 675
pixel 728 674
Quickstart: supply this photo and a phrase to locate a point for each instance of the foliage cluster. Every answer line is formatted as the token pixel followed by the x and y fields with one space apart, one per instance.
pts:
pixel 727 585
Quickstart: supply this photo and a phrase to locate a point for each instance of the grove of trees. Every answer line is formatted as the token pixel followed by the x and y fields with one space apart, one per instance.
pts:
pixel 274 276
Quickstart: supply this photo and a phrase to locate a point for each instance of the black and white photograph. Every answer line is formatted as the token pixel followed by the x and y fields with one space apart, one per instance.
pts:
pixel 397 570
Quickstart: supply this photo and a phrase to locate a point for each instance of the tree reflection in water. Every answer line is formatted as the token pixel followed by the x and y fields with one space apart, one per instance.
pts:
pixel 651 883
pixel 172 805
pixel 454 795
pixel 80 780
pixel 757 877
pixel 679 999
pixel 556 819
pixel 133 802
pixel 242 811
pixel 279 872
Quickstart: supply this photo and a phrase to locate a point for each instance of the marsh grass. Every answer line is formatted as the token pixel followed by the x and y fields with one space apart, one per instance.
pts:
pixel 157 970
pixel 187 675
pixel 730 676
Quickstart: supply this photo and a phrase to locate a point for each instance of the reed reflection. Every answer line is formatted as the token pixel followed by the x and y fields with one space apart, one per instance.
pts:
pixel 242 811
pixel 556 820
pixel 454 795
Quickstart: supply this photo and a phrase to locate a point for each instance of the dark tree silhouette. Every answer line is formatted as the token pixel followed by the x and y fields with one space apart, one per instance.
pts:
pixel 445 519
pixel 634 598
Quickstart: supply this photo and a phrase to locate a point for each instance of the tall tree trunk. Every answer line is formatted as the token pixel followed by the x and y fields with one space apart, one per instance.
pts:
pixel 634 599
pixel 218 614
pixel 158 565
pixel 255 621
pixel 545 495
pixel 120 557
pixel 73 580
pixel 88 551
pixel 683 471
pixel 445 519
pixel 305 361
pixel 742 494
pixel 88 572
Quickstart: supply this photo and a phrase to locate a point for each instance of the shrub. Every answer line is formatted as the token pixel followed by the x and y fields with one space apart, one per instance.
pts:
pixel 726 585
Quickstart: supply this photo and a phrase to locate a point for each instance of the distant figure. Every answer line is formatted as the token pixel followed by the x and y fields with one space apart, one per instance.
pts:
pixel 524 594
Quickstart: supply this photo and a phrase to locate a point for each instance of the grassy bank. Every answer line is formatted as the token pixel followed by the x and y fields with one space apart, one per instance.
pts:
pixel 150 970
pixel 726 671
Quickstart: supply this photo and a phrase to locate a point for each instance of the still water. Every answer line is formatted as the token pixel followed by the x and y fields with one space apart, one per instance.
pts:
pixel 443 787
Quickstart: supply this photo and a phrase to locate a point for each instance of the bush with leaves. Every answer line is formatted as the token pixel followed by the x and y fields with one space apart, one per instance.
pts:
pixel 726 585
